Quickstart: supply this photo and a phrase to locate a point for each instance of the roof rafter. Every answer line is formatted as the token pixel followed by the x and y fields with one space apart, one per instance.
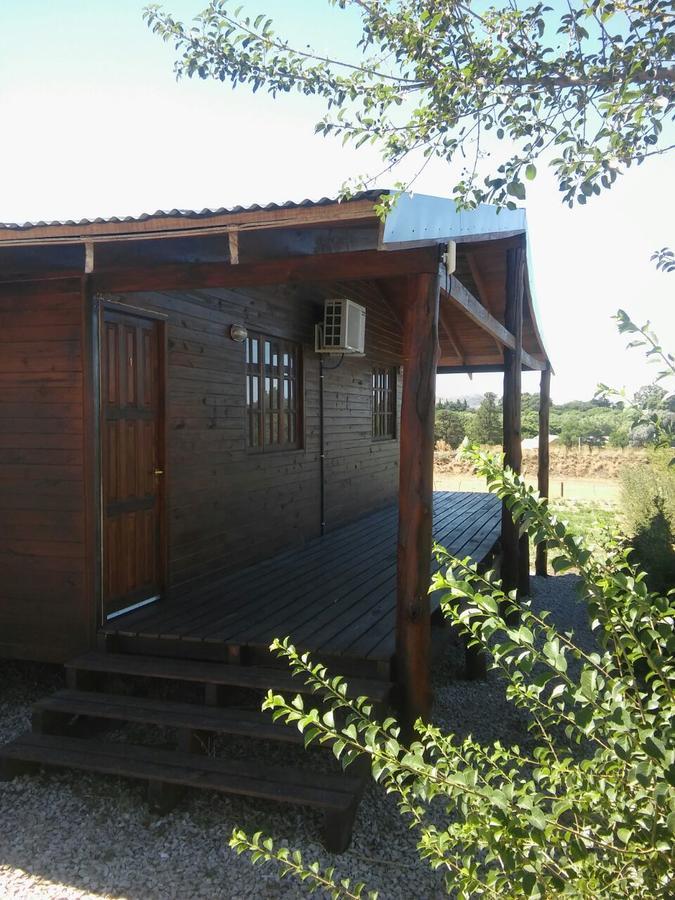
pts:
pixel 483 293
pixel 464 300
pixel 444 320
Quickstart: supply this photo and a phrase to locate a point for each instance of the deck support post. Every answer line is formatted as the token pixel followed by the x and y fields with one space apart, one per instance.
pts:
pixel 515 550
pixel 413 615
pixel 543 457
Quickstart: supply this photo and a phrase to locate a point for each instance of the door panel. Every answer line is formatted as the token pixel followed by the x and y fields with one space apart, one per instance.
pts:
pixel 132 464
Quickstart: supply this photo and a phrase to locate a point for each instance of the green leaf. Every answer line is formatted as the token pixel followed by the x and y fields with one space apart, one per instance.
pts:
pixel 516 189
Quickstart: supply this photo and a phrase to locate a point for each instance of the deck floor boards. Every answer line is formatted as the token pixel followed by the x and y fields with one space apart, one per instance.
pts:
pixel 337 594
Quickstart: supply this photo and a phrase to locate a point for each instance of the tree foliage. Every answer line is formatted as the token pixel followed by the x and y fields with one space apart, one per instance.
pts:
pixel 585 85
pixel 591 423
pixel 450 426
pixel 486 426
pixel 590 811
pixel 652 408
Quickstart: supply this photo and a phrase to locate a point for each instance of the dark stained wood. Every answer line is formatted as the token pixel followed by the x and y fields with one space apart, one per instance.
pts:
pixel 336 596
pixel 258 678
pixel 43 597
pixel 511 407
pixel 464 300
pixel 48 446
pixel 58 710
pixel 214 481
pixel 543 461
pixel 357 265
pixel 90 456
pixel 132 421
pixel 511 571
pixel 344 212
pixel 413 611
pixel 336 794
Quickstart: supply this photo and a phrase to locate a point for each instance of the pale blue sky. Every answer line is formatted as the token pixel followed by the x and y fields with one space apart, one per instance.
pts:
pixel 93 123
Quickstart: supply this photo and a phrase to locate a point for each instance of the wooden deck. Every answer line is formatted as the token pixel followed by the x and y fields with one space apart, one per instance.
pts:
pixel 335 596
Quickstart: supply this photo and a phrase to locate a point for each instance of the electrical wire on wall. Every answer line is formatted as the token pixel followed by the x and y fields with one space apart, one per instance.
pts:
pixel 322 444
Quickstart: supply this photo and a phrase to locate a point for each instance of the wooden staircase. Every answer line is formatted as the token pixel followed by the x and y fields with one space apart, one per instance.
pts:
pixel 109 691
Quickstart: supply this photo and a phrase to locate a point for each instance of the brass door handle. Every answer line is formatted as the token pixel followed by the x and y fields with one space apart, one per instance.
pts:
pixel 158 472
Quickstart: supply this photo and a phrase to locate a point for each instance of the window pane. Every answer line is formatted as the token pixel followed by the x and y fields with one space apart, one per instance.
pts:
pixel 384 402
pixel 271 393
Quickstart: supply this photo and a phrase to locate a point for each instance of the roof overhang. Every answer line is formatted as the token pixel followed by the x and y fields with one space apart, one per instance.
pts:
pixel 313 238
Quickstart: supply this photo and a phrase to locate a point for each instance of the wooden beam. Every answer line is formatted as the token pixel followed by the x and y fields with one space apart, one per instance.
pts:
pixel 543 461
pixel 513 316
pixel 413 620
pixel 531 362
pixel 463 299
pixel 483 362
pixel 282 217
pixel 88 258
pixel 444 319
pixel 483 293
pixel 233 241
pixel 352 266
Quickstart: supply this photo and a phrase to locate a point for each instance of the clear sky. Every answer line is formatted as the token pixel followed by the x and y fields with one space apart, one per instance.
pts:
pixel 93 123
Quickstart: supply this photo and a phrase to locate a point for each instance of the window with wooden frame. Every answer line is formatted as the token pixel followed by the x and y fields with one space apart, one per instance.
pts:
pixel 384 403
pixel 272 393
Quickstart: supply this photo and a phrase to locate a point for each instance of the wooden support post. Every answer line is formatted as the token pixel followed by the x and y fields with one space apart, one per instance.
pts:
pixel 513 575
pixel 163 796
pixel 413 618
pixel 338 827
pixel 543 466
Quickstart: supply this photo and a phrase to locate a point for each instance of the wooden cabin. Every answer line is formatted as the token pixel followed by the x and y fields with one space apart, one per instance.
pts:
pixel 186 473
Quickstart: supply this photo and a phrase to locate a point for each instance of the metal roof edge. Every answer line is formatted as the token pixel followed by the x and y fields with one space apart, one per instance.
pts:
pixel 422 217
pixel 191 214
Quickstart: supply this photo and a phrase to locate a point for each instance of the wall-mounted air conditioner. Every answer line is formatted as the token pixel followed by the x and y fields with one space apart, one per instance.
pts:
pixel 343 329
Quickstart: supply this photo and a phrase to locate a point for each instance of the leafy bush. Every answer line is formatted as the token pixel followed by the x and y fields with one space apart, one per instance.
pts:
pixel 648 504
pixel 648 488
pixel 590 812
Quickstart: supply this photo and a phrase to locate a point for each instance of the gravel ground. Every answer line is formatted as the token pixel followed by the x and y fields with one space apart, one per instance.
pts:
pixel 68 835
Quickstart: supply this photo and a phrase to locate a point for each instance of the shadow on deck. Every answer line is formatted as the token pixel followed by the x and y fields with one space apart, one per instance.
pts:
pixel 335 596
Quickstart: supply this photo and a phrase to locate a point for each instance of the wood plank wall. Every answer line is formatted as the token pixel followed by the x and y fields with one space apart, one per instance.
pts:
pixel 44 610
pixel 230 507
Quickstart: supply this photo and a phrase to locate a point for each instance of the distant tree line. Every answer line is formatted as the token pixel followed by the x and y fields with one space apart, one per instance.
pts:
pixel 590 423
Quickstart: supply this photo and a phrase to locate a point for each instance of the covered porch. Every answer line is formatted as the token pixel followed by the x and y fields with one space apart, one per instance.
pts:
pixel 446 291
pixel 335 596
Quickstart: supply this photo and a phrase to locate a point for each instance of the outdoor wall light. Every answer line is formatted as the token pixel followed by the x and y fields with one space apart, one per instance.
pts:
pixel 238 333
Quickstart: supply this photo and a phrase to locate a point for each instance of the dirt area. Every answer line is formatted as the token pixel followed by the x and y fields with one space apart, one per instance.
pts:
pixel 603 464
pixel 562 487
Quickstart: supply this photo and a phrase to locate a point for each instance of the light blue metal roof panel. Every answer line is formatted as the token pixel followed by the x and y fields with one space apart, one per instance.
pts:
pixel 420 217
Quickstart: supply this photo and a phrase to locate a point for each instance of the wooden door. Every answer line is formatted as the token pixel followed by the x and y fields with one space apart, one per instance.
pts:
pixel 132 463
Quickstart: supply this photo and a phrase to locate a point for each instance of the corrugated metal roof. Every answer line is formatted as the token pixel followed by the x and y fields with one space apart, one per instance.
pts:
pixel 196 214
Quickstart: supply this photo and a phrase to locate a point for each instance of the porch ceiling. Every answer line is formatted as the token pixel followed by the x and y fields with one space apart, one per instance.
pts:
pixel 347 240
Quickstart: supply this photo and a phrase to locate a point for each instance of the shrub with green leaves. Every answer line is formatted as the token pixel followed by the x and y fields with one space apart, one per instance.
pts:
pixel 648 505
pixel 590 810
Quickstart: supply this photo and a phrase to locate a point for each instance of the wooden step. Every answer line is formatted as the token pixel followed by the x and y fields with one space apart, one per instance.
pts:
pixel 52 713
pixel 335 795
pixel 257 678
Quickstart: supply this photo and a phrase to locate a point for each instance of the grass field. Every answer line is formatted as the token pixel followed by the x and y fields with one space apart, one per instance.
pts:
pixel 602 490
pixel 588 505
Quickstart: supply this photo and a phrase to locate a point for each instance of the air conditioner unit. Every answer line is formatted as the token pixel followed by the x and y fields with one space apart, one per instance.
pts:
pixel 343 329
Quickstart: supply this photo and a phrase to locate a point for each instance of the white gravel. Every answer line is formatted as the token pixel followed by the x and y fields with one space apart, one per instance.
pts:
pixel 67 835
